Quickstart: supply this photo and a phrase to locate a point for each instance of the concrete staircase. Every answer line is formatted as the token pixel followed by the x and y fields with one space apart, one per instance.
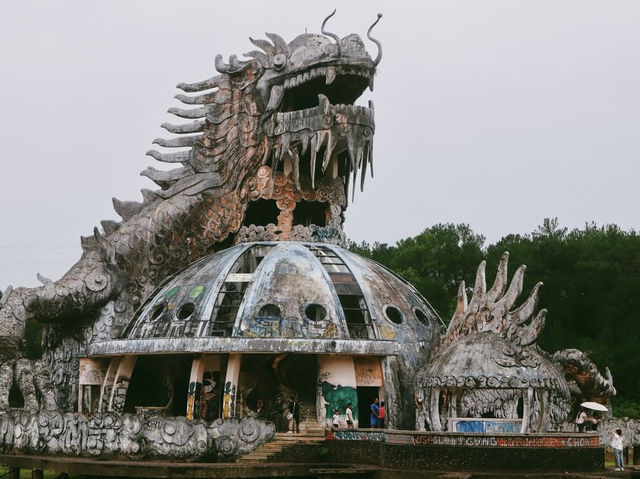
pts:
pixel 281 441
pixel 311 432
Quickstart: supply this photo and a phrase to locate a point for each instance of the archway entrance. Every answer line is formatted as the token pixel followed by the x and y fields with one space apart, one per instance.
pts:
pixel 159 382
pixel 266 377
pixel 366 395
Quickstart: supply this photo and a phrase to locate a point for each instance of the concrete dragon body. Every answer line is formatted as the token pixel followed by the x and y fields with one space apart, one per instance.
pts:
pixel 274 132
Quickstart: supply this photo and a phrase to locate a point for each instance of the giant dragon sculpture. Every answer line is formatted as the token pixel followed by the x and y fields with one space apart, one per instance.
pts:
pixel 280 125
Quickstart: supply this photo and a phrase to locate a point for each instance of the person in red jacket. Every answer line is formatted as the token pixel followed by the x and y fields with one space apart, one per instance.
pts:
pixel 382 415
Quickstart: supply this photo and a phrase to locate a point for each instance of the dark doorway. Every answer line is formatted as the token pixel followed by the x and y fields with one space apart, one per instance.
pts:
pixel 261 213
pixel 160 381
pixel 366 395
pixel 300 373
pixel 310 213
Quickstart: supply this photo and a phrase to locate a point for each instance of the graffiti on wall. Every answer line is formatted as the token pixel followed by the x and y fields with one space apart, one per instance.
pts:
pixel 368 371
pixel 229 400
pixel 193 399
pixel 91 372
pixel 488 440
pixel 338 397
pixel 272 327
pixel 486 426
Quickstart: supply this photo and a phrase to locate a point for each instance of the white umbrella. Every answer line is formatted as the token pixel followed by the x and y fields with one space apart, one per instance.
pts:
pixel 594 405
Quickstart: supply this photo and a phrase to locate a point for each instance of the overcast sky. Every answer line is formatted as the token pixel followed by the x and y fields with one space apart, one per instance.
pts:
pixel 492 113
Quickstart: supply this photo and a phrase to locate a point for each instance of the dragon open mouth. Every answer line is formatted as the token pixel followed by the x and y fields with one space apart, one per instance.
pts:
pixel 340 84
pixel 317 129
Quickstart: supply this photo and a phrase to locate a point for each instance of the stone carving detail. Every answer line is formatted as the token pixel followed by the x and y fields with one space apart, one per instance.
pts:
pixel 490 311
pixel 585 381
pixel 32 380
pixel 60 354
pixel 488 360
pixel 111 434
pixel 288 193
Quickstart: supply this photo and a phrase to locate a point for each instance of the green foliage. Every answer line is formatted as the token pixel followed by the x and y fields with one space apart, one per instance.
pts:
pixel 626 408
pixel 591 283
pixel 435 261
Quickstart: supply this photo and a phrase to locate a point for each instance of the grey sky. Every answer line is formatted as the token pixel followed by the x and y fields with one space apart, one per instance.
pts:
pixel 493 113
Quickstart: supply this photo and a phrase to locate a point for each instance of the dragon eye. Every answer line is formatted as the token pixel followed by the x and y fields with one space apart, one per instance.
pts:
pixel 330 50
pixel 279 61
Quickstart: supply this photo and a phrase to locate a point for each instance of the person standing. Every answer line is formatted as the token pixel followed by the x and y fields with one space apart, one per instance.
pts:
pixel 581 419
pixel 382 415
pixel 294 410
pixel 618 446
pixel 374 413
pixel 349 416
pixel 335 423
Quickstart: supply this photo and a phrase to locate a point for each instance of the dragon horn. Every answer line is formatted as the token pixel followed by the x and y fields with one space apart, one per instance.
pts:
pixel 332 35
pixel 264 45
pixel 379 57
pixel 221 66
pixel 279 42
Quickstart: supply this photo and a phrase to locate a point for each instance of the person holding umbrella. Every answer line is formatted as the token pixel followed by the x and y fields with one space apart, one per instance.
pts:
pixel 593 406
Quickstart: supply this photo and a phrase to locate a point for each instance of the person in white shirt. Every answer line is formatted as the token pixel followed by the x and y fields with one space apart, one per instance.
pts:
pixel 349 415
pixel 617 445
pixel 336 419
pixel 580 420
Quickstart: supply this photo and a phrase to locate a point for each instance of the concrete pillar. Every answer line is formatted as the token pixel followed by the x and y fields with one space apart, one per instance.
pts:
pixel 543 398
pixel 107 384
pixel 231 385
pixel 121 383
pixel 453 403
pixel 14 473
pixel 36 474
pixel 195 387
pixel 434 409
pixel 527 408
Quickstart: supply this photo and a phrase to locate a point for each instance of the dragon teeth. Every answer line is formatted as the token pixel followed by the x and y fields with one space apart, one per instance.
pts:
pixel 330 75
pixel 277 94
pixel 325 105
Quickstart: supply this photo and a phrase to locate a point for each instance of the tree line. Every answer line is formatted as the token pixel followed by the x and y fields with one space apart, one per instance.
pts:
pixel 591 286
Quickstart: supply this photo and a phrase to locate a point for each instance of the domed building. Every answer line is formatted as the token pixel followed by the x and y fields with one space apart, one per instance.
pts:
pixel 237 329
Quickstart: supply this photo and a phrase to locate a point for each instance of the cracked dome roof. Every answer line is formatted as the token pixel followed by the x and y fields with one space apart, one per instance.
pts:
pixel 280 292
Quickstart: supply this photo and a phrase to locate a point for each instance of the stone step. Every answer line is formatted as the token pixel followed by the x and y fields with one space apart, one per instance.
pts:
pixel 284 436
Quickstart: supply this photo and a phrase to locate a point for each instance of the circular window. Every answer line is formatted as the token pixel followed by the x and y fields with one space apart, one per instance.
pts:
pixel 269 311
pixel 420 316
pixel 157 311
pixel 393 314
pixel 185 311
pixel 315 312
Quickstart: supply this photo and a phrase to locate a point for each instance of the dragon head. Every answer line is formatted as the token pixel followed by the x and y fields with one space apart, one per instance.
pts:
pixel 288 108
pixel 306 90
